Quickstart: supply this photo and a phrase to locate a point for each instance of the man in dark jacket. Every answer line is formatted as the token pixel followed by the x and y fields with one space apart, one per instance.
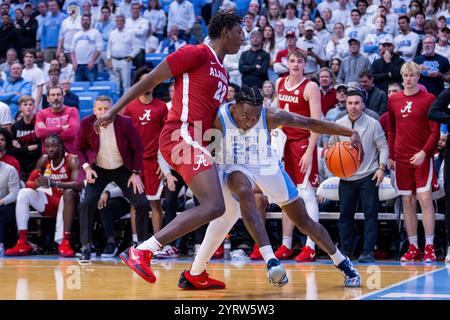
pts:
pixel 9 37
pixel 254 63
pixel 27 26
pixel 386 70
pixel 374 98
pixel 70 98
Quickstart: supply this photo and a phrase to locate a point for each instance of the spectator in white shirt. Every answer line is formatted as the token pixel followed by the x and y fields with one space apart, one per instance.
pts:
pixel 122 48
pixel 172 43
pixel 330 4
pixel 406 42
pixel 152 43
pixel 157 18
pixel 337 47
pixel 6 120
pixel 181 13
pixel 362 6
pixel 442 46
pixel 125 8
pixel 33 74
pixel 322 32
pixel 280 39
pixel 249 26
pixel 356 29
pixel 66 71
pixel 291 21
pixel 392 18
pixel 86 48
pixel 342 13
pixel 311 48
pixel 43 13
pixel 69 26
pixel 328 18
pixel 139 27
pixel 274 14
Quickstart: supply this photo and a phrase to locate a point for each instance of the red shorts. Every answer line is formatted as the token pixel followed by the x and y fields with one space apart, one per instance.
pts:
pixel 410 179
pixel 293 152
pixel 182 153
pixel 152 184
pixel 51 208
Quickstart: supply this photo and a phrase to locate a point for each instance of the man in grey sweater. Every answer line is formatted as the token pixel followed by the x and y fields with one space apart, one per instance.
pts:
pixel 9 188
pixel 364 183
pixel 353 65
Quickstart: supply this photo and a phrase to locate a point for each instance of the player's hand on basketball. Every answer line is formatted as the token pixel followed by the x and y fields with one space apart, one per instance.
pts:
pixel 135 180
pixel 391 164
pixel 355 139
pixel 103 121
pixel 171 181
pixel 306 161
pixel 91 175
pixel 379 176
pixel 418 158
pixel 102 201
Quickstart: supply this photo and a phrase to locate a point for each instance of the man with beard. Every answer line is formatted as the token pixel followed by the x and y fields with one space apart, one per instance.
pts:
pixel 58 119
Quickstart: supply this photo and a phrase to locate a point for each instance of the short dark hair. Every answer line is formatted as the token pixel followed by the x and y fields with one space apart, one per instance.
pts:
pixel 404 17
pixel 56 137
pixel 363 1
pixel 355 10
pixel 355 92
pixel 366 73
pixel 249 95
pixel 30 51
pixel 222 20
pixel 290 5
pixel 419 13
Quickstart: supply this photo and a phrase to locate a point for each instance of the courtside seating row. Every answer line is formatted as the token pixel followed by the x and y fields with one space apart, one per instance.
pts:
pixel 87 93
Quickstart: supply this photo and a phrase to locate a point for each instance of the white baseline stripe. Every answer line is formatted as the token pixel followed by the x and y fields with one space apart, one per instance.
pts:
pixel 416 295
pixel 398 284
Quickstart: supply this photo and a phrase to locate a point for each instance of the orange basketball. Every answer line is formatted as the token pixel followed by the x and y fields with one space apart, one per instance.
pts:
pixel 342 160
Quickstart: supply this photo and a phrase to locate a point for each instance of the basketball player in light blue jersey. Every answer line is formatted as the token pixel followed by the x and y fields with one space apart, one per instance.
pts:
pixel 245 158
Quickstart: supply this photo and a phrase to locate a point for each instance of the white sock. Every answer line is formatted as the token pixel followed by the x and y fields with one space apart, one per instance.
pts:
pixel 337 257
pixel 151 244
pixel 312 208
pixel 287 241
pixel 413 241
pixel 216 232
pixel 429 239
pixel 134 237
pixel 267 253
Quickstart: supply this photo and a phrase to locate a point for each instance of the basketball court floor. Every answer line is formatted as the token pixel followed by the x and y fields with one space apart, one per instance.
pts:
pixel 52 278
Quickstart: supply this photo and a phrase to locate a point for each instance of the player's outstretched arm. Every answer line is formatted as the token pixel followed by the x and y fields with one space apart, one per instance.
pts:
pixel 279 117
pixel 150 81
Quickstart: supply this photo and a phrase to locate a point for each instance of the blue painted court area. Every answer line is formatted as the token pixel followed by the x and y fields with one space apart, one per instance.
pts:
pixel 433 285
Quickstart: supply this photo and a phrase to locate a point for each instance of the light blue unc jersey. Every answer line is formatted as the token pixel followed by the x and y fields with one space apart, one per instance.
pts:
pixel 251 154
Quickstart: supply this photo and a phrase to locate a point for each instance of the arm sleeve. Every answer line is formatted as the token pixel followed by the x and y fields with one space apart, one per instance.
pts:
pixel 431 145
pixel 33 176
pixel 186 58
pixel 244 67
pixel 74 125
pixel 391 137
pixel 24 90
pixel 381 143
pixel 330 50
pixel 82 144
pixel 437 110
pixel 43 132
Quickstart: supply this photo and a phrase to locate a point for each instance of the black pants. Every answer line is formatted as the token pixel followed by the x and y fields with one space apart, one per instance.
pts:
pixel 139 60
pixel 115 209
pixel 367 191
pixel 171 204
pixel 7 216
pixel 88 206
pixel 447 192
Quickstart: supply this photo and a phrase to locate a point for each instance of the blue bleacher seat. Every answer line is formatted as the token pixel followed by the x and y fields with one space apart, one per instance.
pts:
pixel 106 88
pixel 80 86
pixel 154 58
pixel 86 103
pixel 103 76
